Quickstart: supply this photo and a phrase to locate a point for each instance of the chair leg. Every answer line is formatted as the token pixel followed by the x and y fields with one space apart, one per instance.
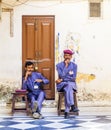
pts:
pixel 59 100
pixel 26 101
pixel 13 104
pixel 75 100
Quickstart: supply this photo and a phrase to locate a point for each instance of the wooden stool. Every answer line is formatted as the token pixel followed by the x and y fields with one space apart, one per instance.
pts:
pixel 21 95
pixel 59 107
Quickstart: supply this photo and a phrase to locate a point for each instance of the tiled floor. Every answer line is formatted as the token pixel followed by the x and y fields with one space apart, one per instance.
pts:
pixel 56 123
pixel 90 118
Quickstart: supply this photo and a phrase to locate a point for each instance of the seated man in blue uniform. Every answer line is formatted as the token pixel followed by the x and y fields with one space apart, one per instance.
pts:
pixel 32 82
pixel 66 81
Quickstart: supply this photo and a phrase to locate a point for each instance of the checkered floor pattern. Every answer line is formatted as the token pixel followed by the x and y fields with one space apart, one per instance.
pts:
pixel 56 123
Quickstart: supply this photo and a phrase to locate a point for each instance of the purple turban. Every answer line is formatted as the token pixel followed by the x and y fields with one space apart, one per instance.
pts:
pixel 68 52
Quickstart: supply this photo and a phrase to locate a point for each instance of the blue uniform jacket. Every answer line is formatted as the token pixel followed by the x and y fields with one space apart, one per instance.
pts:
pixel 30 82
pixel 68 74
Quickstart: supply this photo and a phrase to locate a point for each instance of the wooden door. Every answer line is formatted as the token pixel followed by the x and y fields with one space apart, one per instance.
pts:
pixel 38 46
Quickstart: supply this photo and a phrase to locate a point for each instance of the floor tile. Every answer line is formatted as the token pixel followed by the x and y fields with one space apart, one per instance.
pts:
pixel 84 122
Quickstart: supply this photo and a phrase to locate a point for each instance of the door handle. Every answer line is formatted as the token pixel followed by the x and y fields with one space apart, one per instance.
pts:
pixel 38 54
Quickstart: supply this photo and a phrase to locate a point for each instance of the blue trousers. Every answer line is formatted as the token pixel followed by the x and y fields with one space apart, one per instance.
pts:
pixel 69 99
pixel 39 99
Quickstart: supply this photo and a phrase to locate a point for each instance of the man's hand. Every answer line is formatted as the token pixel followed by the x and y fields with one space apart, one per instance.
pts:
pixel 66 62
pixel 39 80
pixel 59 81
pixel 27 74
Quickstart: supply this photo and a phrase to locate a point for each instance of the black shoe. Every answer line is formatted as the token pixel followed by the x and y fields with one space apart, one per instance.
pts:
pixel 66 115
pixel 74 109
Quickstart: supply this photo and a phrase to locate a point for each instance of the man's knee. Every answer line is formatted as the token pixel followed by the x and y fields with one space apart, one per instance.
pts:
pixel 42 94
pixel 68 88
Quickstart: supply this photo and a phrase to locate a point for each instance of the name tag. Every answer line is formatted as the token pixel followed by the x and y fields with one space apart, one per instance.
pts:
pixel 36 86
pixel 71 72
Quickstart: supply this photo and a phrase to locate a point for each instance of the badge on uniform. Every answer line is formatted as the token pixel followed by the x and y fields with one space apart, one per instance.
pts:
pixel 36 86
pixel 71 72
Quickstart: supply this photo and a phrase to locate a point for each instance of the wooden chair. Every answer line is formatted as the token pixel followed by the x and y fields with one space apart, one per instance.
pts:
pixel 60 110
pixel 22 95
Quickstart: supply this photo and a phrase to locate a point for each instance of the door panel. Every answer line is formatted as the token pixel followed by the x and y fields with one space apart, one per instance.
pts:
pixel 30 39
pixel 38 46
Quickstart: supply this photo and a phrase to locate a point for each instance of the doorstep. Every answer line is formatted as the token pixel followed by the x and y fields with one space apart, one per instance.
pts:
pixel 50 108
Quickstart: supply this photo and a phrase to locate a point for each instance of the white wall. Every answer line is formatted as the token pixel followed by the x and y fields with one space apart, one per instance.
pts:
pixel 70 18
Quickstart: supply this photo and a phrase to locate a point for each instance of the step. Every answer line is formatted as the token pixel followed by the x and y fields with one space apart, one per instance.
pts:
pixel 50 108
